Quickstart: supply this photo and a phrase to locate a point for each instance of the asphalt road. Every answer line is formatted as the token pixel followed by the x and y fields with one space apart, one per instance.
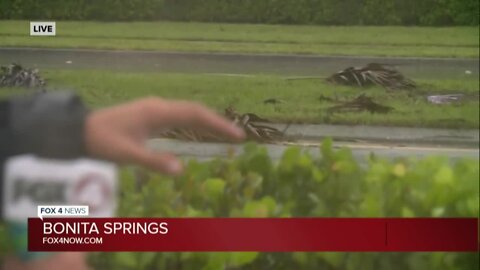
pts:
pixel 227 64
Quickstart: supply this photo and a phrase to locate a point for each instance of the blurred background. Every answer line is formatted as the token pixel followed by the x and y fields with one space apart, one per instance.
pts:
pixel 317 12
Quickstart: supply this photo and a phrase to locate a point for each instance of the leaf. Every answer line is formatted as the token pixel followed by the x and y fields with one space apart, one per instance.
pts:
pixel 263 208
pixel 407 212
pixel 216 260
pixel 146 259
pixel 300 257
pixel 237 259
pixel 214 187
pixel 399 170
pixel 290 158
pixel 438 211
pixel 317 175
pixel 270 203
pixel 332 258
pixel 444 177
pixel 371 207
pixel 126 260
pixel 327 148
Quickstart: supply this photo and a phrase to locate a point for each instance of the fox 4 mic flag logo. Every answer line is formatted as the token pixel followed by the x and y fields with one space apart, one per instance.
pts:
pixel 43 29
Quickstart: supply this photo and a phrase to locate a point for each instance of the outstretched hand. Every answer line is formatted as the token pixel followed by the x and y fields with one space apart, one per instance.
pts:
pixel 119 133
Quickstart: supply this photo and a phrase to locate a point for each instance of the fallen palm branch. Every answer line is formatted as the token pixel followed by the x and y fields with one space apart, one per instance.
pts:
pixel 15 75
pixel 372 74
pixel 254 126
pixel 359 104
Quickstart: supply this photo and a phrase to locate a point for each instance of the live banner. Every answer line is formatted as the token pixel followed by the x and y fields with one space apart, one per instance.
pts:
pixel 254 234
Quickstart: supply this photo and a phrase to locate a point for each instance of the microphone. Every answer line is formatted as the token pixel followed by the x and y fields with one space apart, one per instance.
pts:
pixel 56 186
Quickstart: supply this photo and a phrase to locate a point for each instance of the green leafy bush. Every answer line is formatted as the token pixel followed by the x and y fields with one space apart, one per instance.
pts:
pixel 334 185
pixel 343 12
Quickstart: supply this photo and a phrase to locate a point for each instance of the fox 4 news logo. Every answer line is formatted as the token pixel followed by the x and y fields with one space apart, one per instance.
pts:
pixel 43 29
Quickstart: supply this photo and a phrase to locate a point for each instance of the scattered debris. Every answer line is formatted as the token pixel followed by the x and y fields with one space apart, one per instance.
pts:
pixel 253 125
pixel 250 123
pixel 15 75
pixel 372 74
pixel 445 99
pixel 232 114
pixel 359 104
pixel 273 101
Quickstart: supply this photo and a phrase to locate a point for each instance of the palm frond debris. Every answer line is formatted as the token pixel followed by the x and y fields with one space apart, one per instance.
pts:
pixel 254 126
pixel 372 74
pixel 15 75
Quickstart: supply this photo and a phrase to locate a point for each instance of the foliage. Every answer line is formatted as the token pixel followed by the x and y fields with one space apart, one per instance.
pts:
pixel 344 12
pixel 3 242
pixel 299 185
pixel 104 10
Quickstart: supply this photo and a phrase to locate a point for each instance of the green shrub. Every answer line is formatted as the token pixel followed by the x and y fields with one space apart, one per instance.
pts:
pixel 336 12
pixel 334 185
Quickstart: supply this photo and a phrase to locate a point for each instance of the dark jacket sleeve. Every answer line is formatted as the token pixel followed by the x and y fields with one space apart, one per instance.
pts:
pixel 48 125
pixel 4 145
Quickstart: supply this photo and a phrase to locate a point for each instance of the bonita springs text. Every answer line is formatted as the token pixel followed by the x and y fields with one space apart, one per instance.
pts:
pixel 84 227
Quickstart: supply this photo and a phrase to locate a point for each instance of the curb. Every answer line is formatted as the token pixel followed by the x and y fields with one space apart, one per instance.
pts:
pixel 382 134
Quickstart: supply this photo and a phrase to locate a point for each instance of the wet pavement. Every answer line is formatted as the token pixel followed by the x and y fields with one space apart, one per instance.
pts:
pixel 231 64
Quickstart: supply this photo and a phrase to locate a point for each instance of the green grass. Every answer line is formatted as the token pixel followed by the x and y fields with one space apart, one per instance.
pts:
pixel 301 104
pixel 248 38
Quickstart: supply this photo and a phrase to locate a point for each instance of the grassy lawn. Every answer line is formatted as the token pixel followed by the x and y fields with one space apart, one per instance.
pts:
pixel 301 97
pixel 248 38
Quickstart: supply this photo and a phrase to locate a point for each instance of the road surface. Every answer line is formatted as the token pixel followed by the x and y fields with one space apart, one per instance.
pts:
pixel 287 65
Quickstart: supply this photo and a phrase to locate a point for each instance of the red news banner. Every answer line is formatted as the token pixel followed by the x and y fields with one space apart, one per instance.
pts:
pixel 253 234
